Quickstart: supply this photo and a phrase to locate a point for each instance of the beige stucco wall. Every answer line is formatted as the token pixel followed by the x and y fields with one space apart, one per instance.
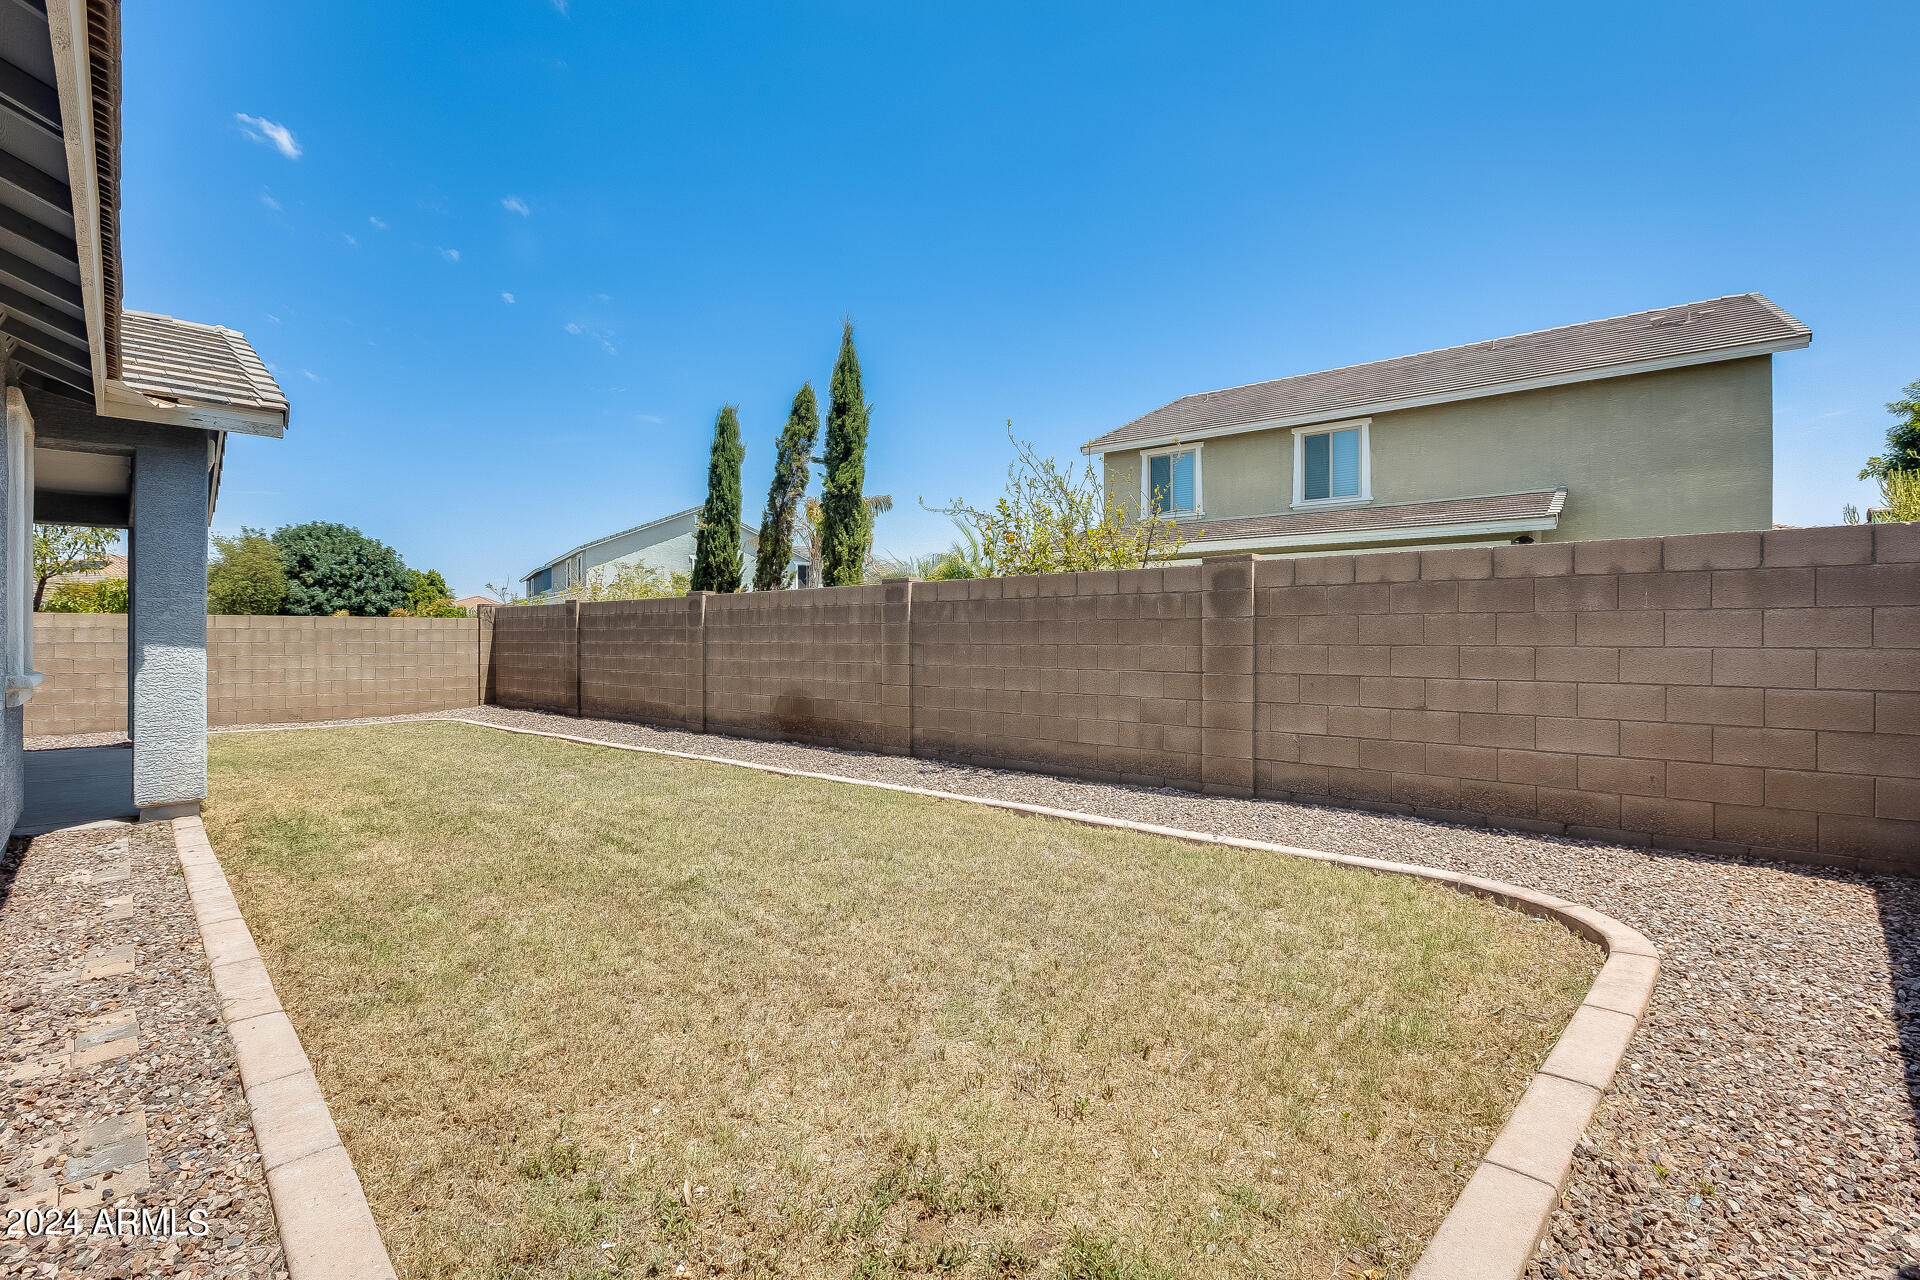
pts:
pixel 1681 451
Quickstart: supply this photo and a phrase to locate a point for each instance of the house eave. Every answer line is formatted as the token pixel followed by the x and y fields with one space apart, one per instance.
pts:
pixel 1372 537
pixel 1791 343
pixel 118 400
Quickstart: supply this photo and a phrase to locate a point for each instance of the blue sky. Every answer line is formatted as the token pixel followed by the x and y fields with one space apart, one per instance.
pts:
pixel 1063 215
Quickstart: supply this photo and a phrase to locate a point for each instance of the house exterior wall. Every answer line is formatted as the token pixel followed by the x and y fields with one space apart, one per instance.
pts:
pixel 16 491
pixel 1740 693
pixel 666 547
pixel 1686 450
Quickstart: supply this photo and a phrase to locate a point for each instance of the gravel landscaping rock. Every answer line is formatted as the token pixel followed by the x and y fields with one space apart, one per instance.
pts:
pixel 120 1085
pixel 1764 1122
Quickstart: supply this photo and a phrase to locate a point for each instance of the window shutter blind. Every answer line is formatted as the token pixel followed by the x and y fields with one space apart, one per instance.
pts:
pixel 1183 482
pixel 1314 462
pixel 1346 464
pixel 1157 479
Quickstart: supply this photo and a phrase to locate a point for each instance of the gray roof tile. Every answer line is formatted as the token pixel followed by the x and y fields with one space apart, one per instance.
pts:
pixel 1411 516
pixel 203 364
pixel 1718 328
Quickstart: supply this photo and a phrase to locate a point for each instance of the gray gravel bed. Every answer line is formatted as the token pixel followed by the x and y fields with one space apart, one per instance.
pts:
pixel 195 1150
pixel 1764 1122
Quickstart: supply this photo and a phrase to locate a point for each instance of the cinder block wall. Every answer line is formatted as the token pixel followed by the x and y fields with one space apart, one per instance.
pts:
pixel 1741 693
pixel 535 664
pixel 267 670
pixel 264 670
pixel 84 659
pixel 1092 674
pixel 639 660
pixel 808 666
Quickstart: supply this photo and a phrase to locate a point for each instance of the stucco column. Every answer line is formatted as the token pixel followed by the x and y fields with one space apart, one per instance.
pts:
pixel 167 624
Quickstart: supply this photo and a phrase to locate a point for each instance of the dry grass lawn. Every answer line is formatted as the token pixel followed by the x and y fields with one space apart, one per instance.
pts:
pixel 582 1012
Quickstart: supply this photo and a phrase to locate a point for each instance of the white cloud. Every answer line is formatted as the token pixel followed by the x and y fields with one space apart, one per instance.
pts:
pixel 274 135
pixel 378 224
pixel 311 376
pixel 266 198
pixel 600 336
pixel 451 255
pixel 351 241
pixel 514 204
pixel 273 319
pixel 559 7
pixel 650 417
pixel 506 298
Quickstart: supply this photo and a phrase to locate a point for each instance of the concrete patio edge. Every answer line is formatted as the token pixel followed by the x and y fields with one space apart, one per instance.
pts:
pixel 326 1230
pixel 1498 1219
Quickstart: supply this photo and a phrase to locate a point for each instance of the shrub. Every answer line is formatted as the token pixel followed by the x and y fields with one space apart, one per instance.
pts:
pixel 109 595
pixel 246 575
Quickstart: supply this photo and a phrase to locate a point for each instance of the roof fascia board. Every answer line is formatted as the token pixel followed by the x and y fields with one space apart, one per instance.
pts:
pixel 1368 536
pixel 121 401
pixel 1477 393
pixel 72 72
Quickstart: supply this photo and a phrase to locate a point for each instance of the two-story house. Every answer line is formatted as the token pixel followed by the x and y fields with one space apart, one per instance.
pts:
pixel 1655 423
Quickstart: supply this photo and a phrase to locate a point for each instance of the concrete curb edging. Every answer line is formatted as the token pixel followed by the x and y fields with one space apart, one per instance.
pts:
pixel 1497 1222
pixel 326 1230
pixel 1500 1216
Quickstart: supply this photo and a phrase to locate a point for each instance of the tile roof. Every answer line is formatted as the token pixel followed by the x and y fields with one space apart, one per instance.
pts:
pixel 1541 505
pixel 203 364
pixel 1716 329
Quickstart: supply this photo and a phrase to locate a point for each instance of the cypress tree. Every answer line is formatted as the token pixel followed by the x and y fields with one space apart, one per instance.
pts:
pixel 790 473
pixel 848 525
pixel 716 547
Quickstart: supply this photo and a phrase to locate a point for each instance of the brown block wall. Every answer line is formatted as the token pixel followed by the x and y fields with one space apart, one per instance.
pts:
pixel 1744 692
pixel 810 666
pixel 263 670
pixel 84 659
pixel 639 660
pixel 1740 693
pixel 1092 674
pixel 534 664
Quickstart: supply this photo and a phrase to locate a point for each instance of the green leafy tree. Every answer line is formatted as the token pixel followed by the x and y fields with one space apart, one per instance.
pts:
pixel 60 549
pixel 716 547
pixel 425 589
pixel 1903 438
pixel 788 491
pixel 1055 519
pixel 109 595
pixel 333 569
pixel 846 520
pixel 246 575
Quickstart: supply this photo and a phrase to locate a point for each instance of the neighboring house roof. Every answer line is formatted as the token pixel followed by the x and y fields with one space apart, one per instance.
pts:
pixel 476 602
pixel 752 535
pixel 1504 512
pixel 113 566
pixel 205 364
pixel 1729 328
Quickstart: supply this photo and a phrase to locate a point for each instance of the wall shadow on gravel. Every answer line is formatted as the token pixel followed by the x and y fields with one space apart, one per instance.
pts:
pixel 1898 899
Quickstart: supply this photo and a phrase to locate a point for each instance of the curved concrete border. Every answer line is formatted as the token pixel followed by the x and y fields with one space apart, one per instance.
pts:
pixel 1494 1227
pixel 326 1230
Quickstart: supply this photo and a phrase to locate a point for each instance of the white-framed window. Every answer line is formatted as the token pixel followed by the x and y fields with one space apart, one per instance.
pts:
pixel 1170 480
pixel 1332 463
